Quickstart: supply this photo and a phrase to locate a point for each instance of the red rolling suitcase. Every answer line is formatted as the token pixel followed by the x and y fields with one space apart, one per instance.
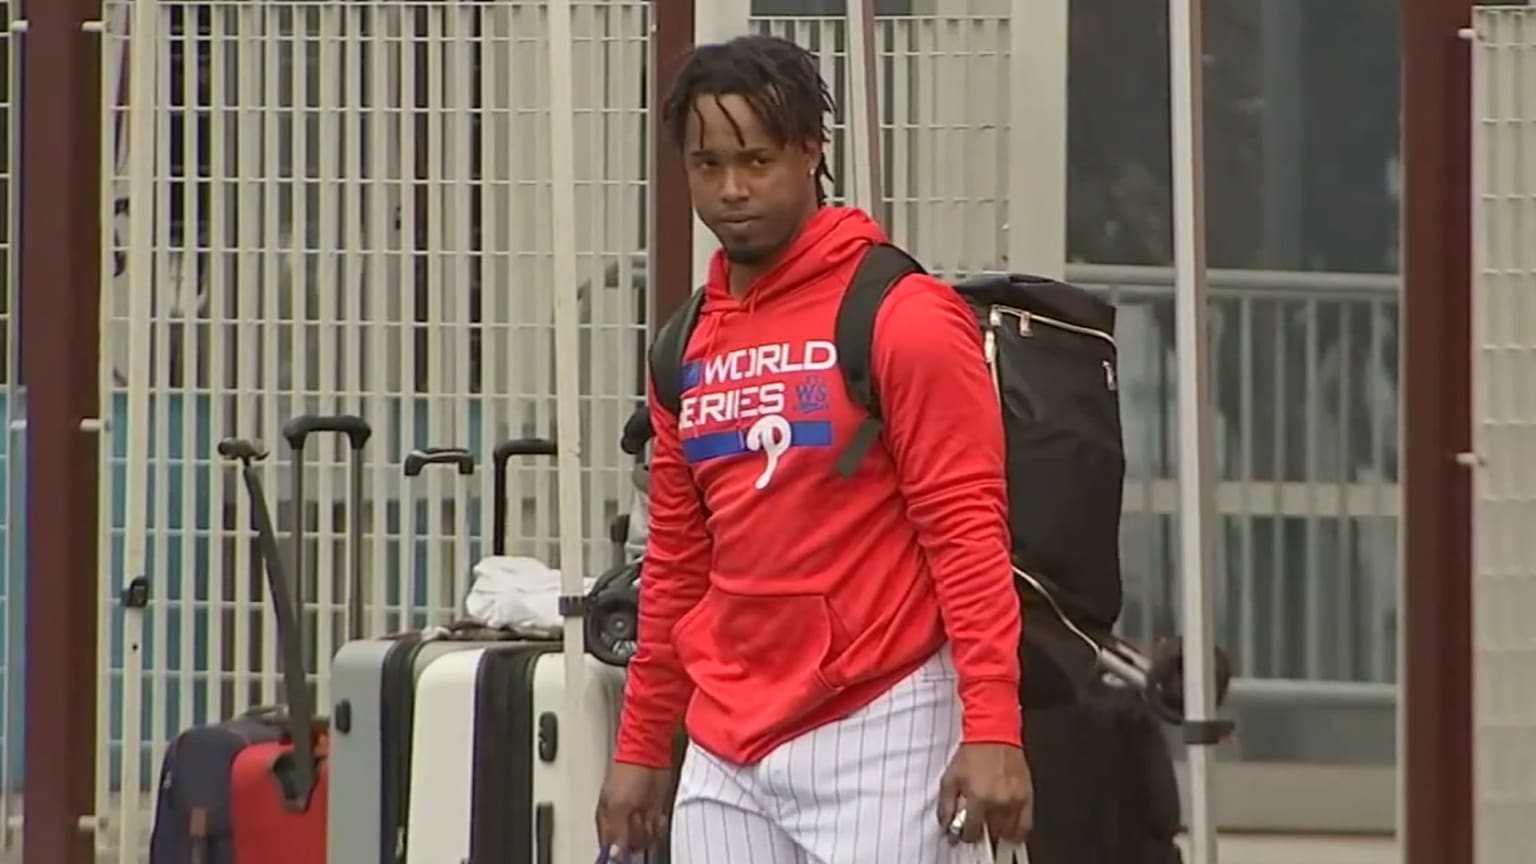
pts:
pixel 278 789
pixel 279 810
pixel 253 790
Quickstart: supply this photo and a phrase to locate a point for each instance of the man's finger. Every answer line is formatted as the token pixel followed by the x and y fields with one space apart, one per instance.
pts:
pixel 1006 823
pixel 614 833
pixel 656 825
pixel 638 837
pixel 974 829
pixel 604 829
pixel 975 825
pixel 949 800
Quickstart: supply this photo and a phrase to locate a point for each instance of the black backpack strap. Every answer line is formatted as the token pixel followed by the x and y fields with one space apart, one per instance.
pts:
pixel 666 356
pixel 668 349
pixel 883 266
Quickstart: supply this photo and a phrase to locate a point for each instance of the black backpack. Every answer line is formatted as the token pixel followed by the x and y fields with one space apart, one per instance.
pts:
pixel 1052 352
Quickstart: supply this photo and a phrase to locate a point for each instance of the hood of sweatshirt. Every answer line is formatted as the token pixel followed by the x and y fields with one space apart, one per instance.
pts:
pixel 830 239
pixel 830 242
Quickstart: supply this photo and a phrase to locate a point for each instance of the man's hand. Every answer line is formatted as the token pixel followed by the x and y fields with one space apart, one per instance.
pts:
pixel 991 783
pixel 633 809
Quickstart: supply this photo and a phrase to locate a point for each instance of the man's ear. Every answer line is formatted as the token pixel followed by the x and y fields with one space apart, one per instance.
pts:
pixel 812 152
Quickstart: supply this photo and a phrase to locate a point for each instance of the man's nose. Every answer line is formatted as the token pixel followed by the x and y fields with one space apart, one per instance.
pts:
pixel 733 187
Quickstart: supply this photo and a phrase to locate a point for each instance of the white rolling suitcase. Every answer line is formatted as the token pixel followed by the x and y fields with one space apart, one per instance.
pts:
pixel 491 772
pixel 373 685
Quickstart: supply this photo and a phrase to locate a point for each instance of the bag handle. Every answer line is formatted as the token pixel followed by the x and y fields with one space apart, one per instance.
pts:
pixel 1008 853
pixel 357 432
pixel 297 773
pixel 500 456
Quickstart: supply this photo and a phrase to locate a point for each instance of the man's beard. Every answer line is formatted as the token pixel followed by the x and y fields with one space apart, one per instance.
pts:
pixel 745 253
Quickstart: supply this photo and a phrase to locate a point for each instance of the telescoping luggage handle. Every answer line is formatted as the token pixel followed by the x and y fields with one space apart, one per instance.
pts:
pixel 499 459
pixel 460 459
pixel 357 432
pixel 296 772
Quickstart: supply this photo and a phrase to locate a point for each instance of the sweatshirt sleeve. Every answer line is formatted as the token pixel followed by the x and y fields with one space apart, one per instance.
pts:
pixel 675 576
pixel 944 429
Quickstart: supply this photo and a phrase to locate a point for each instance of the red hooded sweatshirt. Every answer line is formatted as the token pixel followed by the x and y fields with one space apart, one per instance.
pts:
pixel 779 596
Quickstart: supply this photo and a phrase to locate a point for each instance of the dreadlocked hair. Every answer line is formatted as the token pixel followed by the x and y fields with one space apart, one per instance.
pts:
pixel 776 77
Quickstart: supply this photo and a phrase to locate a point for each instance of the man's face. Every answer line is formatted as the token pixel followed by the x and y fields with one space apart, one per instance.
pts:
pixel 750 190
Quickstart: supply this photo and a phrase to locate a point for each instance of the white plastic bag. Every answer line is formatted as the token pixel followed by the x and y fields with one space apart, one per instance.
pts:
pixel 516 593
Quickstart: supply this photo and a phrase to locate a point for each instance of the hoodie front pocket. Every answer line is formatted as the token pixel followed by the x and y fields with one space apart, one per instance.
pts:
pixel 757 649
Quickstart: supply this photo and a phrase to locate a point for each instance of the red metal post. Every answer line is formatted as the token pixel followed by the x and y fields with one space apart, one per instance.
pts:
pixel 60 280
pixel 671 210
pixel 1437 425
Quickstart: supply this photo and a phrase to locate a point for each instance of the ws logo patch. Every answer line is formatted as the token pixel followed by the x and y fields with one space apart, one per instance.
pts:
pixel 811 396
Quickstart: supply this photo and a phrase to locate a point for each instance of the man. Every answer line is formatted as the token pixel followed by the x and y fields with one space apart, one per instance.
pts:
pixel 835 642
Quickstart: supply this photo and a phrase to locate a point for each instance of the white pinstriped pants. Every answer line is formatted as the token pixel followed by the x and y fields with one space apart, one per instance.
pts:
pixel 859 791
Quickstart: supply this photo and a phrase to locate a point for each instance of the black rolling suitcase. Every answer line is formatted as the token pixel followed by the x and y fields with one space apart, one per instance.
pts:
pixel 1105 790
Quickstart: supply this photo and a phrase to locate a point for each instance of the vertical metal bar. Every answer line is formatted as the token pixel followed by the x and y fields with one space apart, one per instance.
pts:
pixel 1279 562
pixel 221 408
pixel 714 21
pixel 1435 709
pixel 929 140
pixel 1195 448
pixel 437 103
pixel 322 337
pixel 562 175
pixel 114 74
pixel 820 35
pixel 143 50
pixel 375 196
pixel 60 169
pixel 267 39
pixel 463 47
pixel 1346 610
pixel 863 109
pixel 409 161
pixel 1037 136
pixel 671 229
pixel 157 296
pixel 1247 641
pixel 1314 600
pixel 1283 128
pixel 186 365
pixel 899 84
pixel 250 282
pixel 15 432
pixel 587 55
pixel 1382 641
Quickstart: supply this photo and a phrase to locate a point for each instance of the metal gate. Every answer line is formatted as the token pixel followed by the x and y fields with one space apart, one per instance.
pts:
pixel 337 207
pixel 1504 411
pixel 333 206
